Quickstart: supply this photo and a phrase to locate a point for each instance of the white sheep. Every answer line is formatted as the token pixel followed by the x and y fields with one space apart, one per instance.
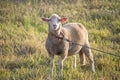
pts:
pixel 56 45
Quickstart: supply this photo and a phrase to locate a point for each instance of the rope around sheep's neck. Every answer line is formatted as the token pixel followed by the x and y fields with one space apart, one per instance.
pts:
pixel 58 36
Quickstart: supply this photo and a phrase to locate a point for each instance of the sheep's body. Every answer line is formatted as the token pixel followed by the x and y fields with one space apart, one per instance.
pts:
pixel 72 31
pixel 75 32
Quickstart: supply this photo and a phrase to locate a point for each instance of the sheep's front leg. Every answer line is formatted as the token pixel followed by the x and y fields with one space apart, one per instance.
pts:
pixel 62 58
pixel 51 66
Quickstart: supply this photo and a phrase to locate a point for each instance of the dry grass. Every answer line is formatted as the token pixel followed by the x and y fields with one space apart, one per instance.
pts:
pixel 23 34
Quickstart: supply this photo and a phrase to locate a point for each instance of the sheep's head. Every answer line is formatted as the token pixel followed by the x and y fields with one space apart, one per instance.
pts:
pixel 54 22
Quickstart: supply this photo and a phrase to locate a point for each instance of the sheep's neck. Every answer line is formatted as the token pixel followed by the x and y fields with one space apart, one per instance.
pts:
pixel 60 36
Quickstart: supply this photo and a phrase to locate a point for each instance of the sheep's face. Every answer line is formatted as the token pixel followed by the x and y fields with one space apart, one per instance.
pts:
pixel 54 22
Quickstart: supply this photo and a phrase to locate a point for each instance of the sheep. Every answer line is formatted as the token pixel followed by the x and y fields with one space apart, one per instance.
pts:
pixel 56 45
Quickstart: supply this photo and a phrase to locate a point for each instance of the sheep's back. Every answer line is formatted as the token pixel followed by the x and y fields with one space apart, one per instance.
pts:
pixel 77 32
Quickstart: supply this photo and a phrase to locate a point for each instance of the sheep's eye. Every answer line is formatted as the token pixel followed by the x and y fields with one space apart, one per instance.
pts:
pixel 59 20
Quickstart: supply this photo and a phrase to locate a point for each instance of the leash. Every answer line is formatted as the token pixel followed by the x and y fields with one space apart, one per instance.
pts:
pixel 90 47
pixel 67 40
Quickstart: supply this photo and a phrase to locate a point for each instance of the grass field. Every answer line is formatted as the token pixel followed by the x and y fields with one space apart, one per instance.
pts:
pixel 23 34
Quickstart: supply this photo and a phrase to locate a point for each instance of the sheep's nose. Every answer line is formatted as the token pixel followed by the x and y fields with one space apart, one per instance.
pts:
pixel 54 25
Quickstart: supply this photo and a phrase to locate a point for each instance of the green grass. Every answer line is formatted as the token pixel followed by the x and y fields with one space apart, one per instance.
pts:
pixel 23 34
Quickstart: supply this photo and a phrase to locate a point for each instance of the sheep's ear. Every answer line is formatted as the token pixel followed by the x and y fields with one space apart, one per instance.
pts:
pixel 63 20
pixel 45 19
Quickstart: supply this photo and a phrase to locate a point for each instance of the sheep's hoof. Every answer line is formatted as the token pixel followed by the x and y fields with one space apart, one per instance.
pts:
pixel 82 64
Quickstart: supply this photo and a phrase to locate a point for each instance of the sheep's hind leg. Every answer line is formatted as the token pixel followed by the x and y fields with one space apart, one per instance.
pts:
pixel 82 58
pixel 89 54
pixel 75 62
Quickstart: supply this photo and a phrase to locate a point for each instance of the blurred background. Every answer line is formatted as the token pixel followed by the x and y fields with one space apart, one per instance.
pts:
pixel 23 34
